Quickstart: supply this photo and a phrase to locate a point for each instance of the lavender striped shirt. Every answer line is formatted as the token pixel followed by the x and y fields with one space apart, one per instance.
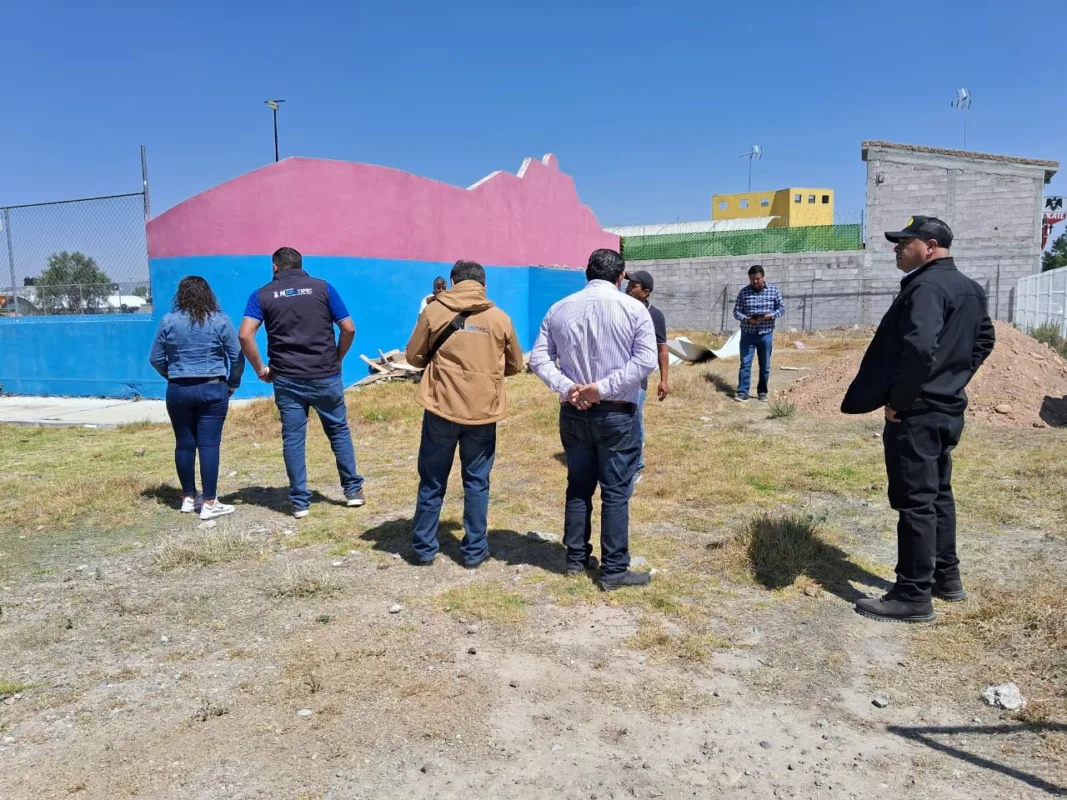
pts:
pixel 599 335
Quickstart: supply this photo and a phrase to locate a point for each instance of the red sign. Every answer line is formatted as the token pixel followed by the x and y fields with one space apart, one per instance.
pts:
pixel 1055 211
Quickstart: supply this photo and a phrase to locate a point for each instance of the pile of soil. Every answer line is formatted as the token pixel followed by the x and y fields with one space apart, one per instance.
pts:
pixel 1023 382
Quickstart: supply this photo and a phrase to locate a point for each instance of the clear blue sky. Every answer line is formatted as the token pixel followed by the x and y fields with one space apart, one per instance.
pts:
pixel 647 105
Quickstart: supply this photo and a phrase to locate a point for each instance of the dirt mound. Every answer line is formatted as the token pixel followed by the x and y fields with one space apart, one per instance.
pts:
pixel 1023 382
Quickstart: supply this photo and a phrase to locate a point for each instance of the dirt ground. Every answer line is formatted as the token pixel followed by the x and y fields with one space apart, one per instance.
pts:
pixel 144 656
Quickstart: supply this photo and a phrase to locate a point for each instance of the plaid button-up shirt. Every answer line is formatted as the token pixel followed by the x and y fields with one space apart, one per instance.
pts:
pixel 751 303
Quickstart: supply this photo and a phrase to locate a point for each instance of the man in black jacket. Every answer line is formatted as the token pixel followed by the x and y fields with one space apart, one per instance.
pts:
pixel 927 348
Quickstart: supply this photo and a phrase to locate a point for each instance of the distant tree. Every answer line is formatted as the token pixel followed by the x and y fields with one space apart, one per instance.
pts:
pixel 72 284
pixel 141 291
pixel 29 281
pixel 1055 256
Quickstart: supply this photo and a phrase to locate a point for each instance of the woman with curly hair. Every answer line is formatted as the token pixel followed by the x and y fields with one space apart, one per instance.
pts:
pixel 196 350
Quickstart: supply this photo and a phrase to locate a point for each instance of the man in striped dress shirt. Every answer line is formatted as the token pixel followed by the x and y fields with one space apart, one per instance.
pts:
pixel 605 345
pixel 758 305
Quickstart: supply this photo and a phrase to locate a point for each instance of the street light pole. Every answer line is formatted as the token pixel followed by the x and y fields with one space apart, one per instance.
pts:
pixel 274 108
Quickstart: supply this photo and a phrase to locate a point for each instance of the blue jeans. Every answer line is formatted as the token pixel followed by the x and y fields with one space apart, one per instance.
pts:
pixel 602 446
pixel 761 345
pixel 327 396
pixel 641 427
pixel 197 411
pixel 437 451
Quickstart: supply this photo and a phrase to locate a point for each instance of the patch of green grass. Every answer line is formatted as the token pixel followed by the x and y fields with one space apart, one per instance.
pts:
pixel 490 602
pixel 13 687
pixel 1049 334
pixel 781 409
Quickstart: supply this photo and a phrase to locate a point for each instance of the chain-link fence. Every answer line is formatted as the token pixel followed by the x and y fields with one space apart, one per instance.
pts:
pixel 809 305
pixel 85 256
pixel 814 239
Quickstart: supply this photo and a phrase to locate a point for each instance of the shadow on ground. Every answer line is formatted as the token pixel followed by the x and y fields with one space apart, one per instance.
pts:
pixel 720 383
pixel 510 547
pixel 1054 412
pixel 926 736
pixel 274 498
pixel 778 550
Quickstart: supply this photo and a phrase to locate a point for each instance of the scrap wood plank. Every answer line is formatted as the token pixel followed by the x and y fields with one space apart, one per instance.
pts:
pixel 375 365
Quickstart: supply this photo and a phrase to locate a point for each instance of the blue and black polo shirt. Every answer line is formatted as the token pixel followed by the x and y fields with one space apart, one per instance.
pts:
pixel 299 313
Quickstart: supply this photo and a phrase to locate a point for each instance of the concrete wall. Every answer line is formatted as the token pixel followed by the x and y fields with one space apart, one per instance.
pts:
pixel 992 203
pixel 820 290
pixel 338 208
pixel 107 356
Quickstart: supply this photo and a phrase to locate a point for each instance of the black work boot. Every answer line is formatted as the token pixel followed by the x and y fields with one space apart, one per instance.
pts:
pixel 624 579
pixel 892 608
pixel 589 565
pixel 951 591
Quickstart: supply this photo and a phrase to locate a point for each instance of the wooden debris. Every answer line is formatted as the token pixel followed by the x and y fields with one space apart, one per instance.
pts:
pixel 389 366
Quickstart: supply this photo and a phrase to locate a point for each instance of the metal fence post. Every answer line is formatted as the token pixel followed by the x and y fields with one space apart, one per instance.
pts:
pixel 11 258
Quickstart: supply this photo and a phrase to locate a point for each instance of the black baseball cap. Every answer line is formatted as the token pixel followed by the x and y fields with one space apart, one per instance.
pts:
pixel 640 277
pixel 923 228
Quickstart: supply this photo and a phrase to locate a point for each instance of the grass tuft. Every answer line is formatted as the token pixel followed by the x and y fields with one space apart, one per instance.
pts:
pixel 782 409
pixel 790 551
pixel 304 581
pixel 202 549
pixel 13 687
pixel 1049 334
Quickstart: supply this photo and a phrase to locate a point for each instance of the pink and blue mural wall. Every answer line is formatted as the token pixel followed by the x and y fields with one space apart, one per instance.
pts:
pixel 378 235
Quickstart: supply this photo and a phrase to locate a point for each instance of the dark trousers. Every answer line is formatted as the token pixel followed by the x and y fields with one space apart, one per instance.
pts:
pixel 918 461
pixel 602 447
pixel 197 409
pixel 437 451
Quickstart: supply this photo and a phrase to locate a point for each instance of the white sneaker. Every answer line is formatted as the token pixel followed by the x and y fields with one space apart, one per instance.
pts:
pixel 217 509
pixel 302 513
pixel 191 504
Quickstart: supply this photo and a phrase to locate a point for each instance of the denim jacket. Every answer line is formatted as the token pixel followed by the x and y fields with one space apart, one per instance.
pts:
pixel 183 349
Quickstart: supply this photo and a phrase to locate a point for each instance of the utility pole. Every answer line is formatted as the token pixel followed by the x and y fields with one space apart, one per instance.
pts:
pixel 274 108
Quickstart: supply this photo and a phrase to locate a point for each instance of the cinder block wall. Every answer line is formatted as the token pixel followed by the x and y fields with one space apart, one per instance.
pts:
pixel 992 203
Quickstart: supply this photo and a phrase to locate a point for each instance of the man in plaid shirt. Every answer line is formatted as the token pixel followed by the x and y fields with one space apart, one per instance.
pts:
pixel 758 305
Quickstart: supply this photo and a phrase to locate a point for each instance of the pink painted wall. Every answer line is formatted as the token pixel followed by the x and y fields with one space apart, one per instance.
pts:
pixel 340 208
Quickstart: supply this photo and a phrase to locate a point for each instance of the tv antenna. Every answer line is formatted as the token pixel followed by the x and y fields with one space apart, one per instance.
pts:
pixel 963 103
pixel 755 154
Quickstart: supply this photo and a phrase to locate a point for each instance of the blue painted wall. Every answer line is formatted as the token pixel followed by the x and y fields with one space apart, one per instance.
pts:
pixel 92 356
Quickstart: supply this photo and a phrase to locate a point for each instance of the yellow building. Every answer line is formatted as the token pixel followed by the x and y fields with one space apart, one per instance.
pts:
pixel 790 208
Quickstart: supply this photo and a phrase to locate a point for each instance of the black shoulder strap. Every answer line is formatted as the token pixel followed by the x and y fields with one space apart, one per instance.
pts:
pixel 455 325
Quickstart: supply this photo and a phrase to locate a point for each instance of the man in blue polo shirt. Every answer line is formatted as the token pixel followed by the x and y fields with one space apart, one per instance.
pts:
pixel 305 367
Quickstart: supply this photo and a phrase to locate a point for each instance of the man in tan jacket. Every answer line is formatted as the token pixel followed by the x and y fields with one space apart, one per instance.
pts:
pixel 467 346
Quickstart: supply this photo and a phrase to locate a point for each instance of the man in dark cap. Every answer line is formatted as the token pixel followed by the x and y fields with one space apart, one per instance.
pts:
pixel 639 285
pixel 927 348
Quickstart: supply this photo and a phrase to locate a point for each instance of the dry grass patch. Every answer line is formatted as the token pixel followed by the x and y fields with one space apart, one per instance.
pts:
pixel 305 580
pixel 489 602
pixel 667 644
pixel 1017 635
pixel 668 696
pixel 787 552
pixel 203 548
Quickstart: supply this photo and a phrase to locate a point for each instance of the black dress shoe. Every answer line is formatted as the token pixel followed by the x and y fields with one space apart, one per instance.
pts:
pixel 950 591
pixel 891 608
pixel 589 565
pixel 624 579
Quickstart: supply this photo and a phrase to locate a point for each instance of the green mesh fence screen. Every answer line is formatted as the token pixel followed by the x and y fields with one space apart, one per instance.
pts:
pixel 742 243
